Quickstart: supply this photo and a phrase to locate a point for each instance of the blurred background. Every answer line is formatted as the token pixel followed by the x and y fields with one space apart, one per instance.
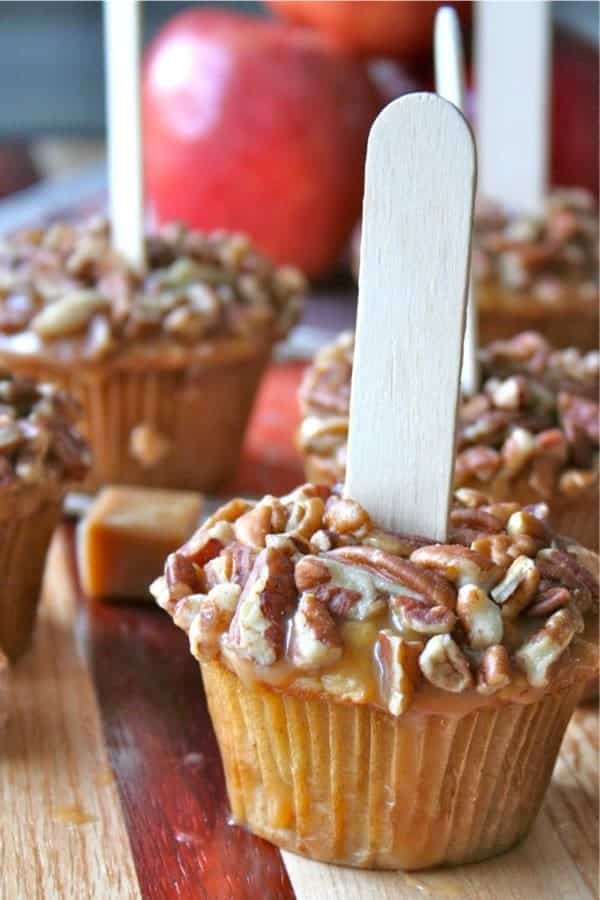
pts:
pixel 52 97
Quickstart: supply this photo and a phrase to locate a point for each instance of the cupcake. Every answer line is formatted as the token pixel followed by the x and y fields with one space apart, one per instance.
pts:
pixel 166 364
pixel 539 273
pixel 530 434
pixel 379 700
pixel 41 457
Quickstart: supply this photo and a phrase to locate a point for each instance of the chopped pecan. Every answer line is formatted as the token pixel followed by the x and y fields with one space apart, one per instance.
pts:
pixel 444 664
pixel 476 520
pixel 512 393
pixel 580 420
pixel 306 517
pixel 252 527
pixel 206 543
pixel 471 498
pixel 494 670
pixel 310 572
pixel 242 563
pixel 479 616
pixel 548 601
pixel 228 513
pixel 316 641
pixel 518 587
pixel 518 449
pixel 525 522
pixel 496 547
pixel 458 564
pixel 213 617
pixel 321 541
pixel 574 482
pixel 257 629
pixel 399 670
pixel 343 515
pixel 405 573
pixel 564 568
pixel 181 576
pixel 346 603
pixel 537 655
pixel 479 462
pixel 398 545
pixel 411 615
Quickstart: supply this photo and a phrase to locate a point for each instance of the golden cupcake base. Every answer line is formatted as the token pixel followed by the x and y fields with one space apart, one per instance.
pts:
pixel 350 784
pixel 26 527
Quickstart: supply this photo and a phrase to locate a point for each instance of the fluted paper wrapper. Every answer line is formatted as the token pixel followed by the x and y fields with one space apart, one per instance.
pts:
pixel 349 784
pixel 504 313
pixel 198 413
pixel 24 541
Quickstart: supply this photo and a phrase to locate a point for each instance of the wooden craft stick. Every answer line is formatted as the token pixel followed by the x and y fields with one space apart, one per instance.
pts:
pixel 450 84
pixel 417 215
pixel 512 77
pixel 123 116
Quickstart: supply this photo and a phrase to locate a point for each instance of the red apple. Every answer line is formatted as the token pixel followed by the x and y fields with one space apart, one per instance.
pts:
pixel 257 126
pixel 371 27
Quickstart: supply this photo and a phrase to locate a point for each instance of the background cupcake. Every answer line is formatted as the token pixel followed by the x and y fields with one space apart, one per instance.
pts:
pixel 531 434
pixel 41 457
pixel 166 366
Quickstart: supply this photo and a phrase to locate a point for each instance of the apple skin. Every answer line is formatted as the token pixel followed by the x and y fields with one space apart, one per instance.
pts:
pixel 397 28
pixel 257 126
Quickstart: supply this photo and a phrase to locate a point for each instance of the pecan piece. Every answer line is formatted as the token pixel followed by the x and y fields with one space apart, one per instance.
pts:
pixel 444 664
pixel 548 601
pixel 310 572
pixel 477 462
pixel 399 670
pixel 517 450
pixel 518 587
pixel 429 585
pixel 316 641
pixel 257 629
pixel 564 568
pixel 343 515
pixel 213 617
pixel 343 601
pixel 252 527
pixel 537 655
pixel 479 616
pixel 411 615
pixel 458 564
pixel 476 519
pixel 494 670
pixel 180 576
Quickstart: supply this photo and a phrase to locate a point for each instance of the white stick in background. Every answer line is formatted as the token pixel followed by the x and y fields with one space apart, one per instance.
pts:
pixel 124 123
pixel 512 57
pixel 450 84
pixel 417 215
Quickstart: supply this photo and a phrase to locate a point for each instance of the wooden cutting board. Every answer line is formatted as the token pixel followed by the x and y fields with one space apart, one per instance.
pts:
pixel 111 784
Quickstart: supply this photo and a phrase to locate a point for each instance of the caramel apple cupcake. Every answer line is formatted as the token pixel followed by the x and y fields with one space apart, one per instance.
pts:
pixel 381 700
pixel 539 273
pixel 166 364
pixel 530 434
pixel 41 457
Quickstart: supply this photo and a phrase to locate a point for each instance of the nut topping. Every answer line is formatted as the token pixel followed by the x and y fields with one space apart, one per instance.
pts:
pixel 257 627
pixel 302 581
pixel 315 638
pixel 479 616
pixel 399 665
pixel 444 665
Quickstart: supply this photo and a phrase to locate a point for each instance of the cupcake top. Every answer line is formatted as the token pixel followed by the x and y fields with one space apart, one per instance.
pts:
pixel 39 444
pixel 536 416
pixel 305 593
pixel 64 293
pixel 549 258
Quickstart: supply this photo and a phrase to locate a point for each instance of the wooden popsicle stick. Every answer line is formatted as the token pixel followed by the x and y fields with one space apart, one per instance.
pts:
pixel 417 214
pixel 124 124
pixel 450 84
pixel 512 75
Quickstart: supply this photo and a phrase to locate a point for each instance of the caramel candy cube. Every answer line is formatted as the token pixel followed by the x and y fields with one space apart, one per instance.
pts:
pixel 127 534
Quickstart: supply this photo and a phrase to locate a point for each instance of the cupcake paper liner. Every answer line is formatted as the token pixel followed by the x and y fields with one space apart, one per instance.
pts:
pixel 24 541
pixel 199 414
pixel 350 784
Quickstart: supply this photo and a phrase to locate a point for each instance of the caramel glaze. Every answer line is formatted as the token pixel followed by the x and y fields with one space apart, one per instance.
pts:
pixel 360 668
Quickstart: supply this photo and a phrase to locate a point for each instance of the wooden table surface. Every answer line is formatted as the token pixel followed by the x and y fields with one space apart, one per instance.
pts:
pixel 111 784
